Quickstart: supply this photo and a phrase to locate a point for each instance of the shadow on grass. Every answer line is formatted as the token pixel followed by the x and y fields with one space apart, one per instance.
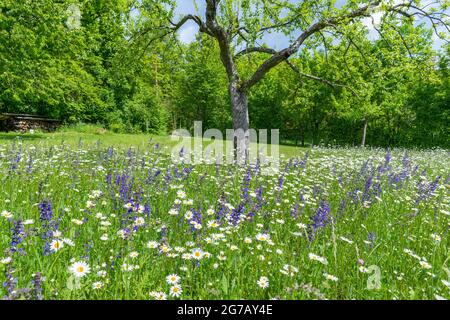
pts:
pixel 13 136
pixel 294 144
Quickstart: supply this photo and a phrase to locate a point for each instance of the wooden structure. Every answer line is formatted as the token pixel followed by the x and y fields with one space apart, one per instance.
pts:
pixel 26 122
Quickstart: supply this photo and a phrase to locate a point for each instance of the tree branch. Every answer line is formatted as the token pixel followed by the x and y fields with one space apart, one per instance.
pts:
pixel 202 26
pixel 435 18
pixel 284 54
pixel 224 40
pixel 255 49
pixel 316 78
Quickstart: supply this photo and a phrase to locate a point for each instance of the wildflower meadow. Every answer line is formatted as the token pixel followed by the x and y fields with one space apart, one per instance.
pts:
pixel 210 152
pixel 98 221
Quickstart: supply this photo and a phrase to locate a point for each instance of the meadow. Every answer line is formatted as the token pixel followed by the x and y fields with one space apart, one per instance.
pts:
pixel 103 216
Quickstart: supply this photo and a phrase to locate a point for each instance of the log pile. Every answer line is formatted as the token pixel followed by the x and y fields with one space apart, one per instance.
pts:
pixel 27 123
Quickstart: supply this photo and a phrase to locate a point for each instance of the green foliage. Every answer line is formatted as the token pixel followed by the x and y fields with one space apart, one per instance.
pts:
pixel 202 88
pixel 117 70
pixel 42 63
pixel 85 128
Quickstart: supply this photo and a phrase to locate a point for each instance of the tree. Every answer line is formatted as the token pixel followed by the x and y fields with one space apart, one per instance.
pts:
pixel 42 62
pixel 238 25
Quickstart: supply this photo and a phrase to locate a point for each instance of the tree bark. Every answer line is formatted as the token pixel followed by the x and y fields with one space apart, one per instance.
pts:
pixel 363 142
pixel 241 123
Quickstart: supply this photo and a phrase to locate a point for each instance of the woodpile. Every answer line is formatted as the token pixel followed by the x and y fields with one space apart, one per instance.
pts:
pixel 27 123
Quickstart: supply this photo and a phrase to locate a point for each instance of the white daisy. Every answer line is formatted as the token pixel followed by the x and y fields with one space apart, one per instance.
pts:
pixel 186 256
pixel 165 248
pixel 6 214
pixel 263 282
pixel 101 273
pixel 320 259
pixel 436 237
pixel 122 234
pixel 56 234
pixel 160 296
pixel 197 226
pixel 181 194
pixel 105 223
pixel 56 245
pixel 172 279
pixel 128 205
pixel 212 224
pixel 141 209
pixel 188 215
pixel 69 242
pixel 262 237
pixel 79 269
pixel 97 285
pixel 330 277
pixel 77 221
pixel 139 221
pixel 363 269
pixel 197 254
pixel 152 244
pixel 133 254
pixel 175 291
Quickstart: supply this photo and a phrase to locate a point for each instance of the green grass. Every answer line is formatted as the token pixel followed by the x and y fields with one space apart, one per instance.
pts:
pixel 94 135
pixel 386 215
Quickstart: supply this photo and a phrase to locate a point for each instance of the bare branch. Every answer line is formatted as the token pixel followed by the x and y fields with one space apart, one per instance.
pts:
pixel 276 26
pixel 255 49
pixel 202 26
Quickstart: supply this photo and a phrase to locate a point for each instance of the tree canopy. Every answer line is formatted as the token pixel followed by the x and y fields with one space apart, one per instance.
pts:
pixel 348 67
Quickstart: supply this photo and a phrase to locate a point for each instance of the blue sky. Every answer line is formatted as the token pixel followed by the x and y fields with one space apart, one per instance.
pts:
pixel 278 41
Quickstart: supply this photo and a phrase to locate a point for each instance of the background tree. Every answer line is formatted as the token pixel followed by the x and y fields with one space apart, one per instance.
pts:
pixel 237 26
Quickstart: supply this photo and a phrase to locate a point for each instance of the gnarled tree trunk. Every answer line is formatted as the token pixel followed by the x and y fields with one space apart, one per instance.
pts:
pixel 239 108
